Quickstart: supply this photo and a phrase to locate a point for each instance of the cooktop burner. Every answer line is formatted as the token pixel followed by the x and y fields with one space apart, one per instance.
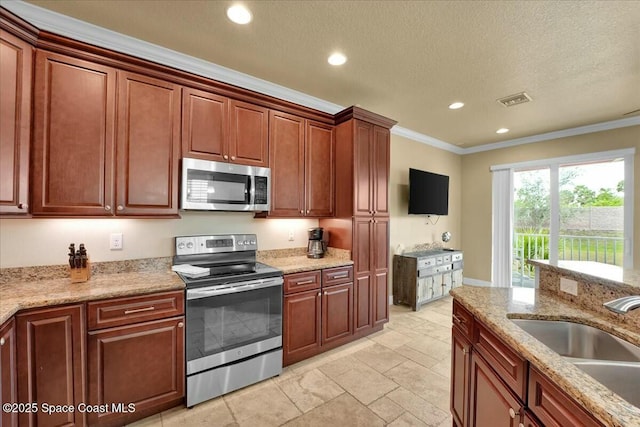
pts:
pixel 261 271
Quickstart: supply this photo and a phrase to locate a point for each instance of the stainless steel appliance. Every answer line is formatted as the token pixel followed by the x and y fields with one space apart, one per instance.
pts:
pixel 233 314
pixel 316 246
pixel 218 186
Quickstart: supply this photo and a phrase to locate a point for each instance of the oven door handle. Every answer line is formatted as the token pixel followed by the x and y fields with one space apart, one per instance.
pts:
pixel 233 288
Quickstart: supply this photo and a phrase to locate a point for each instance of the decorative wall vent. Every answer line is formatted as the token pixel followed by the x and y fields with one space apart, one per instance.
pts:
pixel 511 100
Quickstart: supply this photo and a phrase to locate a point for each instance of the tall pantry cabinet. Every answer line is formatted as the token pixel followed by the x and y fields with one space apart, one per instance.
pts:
pixel 361 223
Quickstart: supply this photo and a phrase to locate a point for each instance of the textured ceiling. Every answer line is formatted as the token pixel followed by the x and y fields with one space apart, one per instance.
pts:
pixel 408 60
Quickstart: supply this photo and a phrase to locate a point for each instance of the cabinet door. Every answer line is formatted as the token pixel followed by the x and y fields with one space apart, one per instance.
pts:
pixel 380 256
pixel 491 402
pixel 249 134
pixel 364 271
pixel 16 67
pixel 301 327
pixel 141 364
pixel 319 163
pixel 286 159
pixel 205 125
pixel 148 145
pixel 73 143
pixel 380 170
pixel 363 159
pixel 337 312
pixel 8 372
pixel 460 377
pixel 51 368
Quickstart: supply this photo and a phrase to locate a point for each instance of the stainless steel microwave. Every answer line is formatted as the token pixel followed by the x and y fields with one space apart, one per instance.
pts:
pixel 218 186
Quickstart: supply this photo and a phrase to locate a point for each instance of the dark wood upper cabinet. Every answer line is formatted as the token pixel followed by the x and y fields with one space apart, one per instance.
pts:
pixel 8 372
pixel 205 125
pixel 52 363
pixel 148 145
pixel 248 134
pixel 74 139
pixel 16 68
pixel 302 159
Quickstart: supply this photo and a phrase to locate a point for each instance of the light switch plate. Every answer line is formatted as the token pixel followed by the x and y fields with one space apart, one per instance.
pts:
pixel 115 241
pixel 569 286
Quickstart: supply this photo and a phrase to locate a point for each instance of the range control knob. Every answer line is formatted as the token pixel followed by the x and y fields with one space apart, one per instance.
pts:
pixel 240 243
pixel 253 242
pixel 181 245
pixel 190 245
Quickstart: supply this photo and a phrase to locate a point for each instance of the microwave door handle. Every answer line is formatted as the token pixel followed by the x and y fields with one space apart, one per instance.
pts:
pixel 252 190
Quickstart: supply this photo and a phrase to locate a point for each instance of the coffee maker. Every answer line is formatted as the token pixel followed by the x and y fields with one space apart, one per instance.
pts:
pixel 316 247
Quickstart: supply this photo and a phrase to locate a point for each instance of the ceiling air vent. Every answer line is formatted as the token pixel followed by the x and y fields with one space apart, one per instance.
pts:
pixel 511 100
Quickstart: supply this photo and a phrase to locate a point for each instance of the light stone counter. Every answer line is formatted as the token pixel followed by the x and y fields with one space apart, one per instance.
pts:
pixel 591 271
pixel 296 261
pixel 495 306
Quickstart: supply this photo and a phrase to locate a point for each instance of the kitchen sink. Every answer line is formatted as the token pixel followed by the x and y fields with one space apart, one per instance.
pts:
pixel 620 377
pixel 575 340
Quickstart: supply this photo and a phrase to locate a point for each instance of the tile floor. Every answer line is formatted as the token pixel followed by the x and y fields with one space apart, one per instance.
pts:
pixel 396 377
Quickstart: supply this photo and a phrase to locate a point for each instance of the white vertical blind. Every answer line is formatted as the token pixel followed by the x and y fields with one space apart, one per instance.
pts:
pixel 502 227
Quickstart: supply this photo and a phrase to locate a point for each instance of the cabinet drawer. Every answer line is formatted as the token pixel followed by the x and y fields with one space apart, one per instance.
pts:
pixel 506 362
pixel 336 276
pixel 456 257
pixel 462 319
pixel 128 310
pixel 552 406
pixel 299 282
pixel 426 262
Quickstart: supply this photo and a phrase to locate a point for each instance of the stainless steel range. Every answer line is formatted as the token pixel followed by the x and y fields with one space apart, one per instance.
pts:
pixel 234 314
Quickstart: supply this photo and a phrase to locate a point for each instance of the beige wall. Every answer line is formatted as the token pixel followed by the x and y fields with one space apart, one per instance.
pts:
pixel 408 230
pixel 476 188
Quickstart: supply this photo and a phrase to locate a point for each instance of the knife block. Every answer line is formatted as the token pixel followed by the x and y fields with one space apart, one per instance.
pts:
pixel 79 275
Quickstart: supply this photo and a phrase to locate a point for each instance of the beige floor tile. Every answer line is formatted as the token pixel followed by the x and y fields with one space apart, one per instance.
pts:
pixel 431 347
pixel 339 366
pixel 264 406
pixel 213 412
pixel 362 382
pixel 423 382
pixel 391 339
pixel 380 357
pixel 422 409
pixel 152 421
pixel 386 409
pixel 418 356
pixel 310 390
pixel 434 316
pixel 344 410
pixel 407 420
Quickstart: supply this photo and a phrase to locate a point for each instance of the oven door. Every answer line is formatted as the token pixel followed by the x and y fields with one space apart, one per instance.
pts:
pixel 231 322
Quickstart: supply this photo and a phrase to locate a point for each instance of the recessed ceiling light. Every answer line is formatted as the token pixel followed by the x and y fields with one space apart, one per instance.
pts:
pixel 239 14
pixel 456 105
pixel 337 59
pixel 502 130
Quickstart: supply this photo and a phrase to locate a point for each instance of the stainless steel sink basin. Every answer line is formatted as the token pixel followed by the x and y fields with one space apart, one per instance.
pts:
pixel 622 378
pixel 579 341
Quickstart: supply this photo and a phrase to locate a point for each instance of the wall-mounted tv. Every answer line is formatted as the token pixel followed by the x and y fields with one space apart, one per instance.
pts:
pixel 428 193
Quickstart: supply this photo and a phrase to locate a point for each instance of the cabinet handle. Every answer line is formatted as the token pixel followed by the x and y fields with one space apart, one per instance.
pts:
pixel 233 157
pixel 139 310
pixel 225 157
pixel 180 324
pixel 2 341
pixel 107 208
pixel 458 319
pixel 340 276
pixel 120 208
pixel 23 206
pixel 306 282
pixel 513 413
pixel 465 350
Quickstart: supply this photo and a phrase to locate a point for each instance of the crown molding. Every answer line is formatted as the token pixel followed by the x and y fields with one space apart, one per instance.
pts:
pixel 63 25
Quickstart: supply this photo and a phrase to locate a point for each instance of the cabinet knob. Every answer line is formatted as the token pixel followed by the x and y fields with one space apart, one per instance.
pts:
pixel 301 211
pixel 23 206
pixel 465 350
pixel 120 208
pixel 308 211
pixel 326 293
pixel 513 413
pixel 1 341
pixel 233 157
pixel 107 208
pixel 319 294
pixel 180 324
pixel 225 157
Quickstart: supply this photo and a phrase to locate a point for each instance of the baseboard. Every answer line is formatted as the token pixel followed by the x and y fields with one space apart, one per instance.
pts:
pixel 475 282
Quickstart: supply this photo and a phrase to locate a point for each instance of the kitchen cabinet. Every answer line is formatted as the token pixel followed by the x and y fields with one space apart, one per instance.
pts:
pixel 16 68
pixel 51 363
pixel 248 134
pixel 136 356
pixel 318 312
pixel 371 169
pixel 461 364
pixel 80 166
pixel 8 372
pixel 302 159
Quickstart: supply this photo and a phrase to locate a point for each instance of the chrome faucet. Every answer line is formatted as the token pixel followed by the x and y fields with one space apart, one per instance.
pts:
pixel 623 305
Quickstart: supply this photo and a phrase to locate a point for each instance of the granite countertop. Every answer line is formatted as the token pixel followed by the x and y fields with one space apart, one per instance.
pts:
pixel 300 263
pixel 495 306
pixel 605 274
pixel 15 296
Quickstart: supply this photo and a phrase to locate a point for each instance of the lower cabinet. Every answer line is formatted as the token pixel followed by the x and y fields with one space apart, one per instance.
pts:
pixel 51 365
pixel 318 312
pixel 8 372
pixel 460 376
pixel 136 369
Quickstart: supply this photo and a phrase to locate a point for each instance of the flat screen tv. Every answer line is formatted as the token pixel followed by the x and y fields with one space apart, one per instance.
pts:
pixel 428 193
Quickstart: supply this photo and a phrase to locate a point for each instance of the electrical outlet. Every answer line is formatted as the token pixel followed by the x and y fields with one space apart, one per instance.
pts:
pixel 569 286
pixel 291 236
pixel 115 241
